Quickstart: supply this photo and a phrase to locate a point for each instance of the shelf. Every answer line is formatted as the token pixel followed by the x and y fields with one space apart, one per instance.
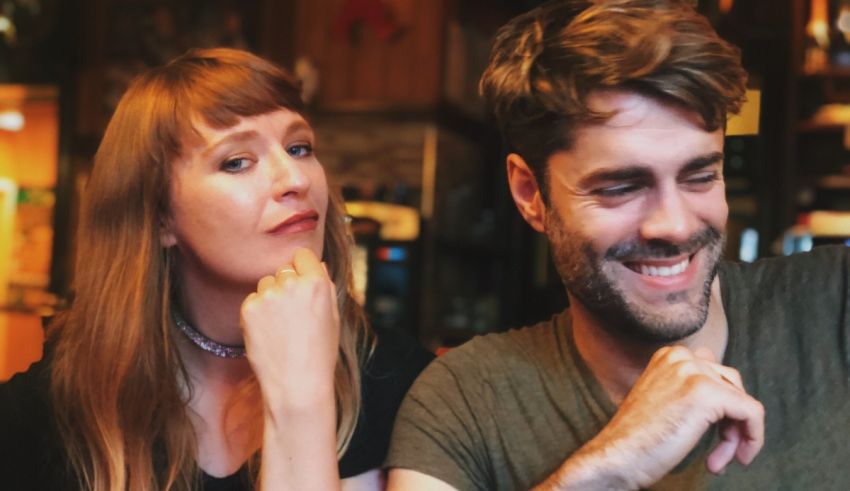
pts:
pixel 814 126
pixel 829 223
pixel 29 280
pixel 836 181
pixel 830 117
pixel 828 72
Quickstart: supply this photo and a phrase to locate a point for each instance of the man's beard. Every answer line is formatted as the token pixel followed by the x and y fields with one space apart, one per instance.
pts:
pixel 591 280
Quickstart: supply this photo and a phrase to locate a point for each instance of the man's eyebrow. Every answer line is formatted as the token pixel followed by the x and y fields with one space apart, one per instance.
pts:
pixel 239 136
pixel 630 173
pixel 639 172
pixel 702 161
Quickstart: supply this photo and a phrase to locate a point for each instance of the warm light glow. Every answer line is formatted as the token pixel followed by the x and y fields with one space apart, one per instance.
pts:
pixel 843 22
pixel 820 32
pixel 818 26
pixel 7 29
pixel 29 141
pixel 11 121
pixel 726 6
pixel 397 222
pixel 746 122
pixel 28 161
pixel 8 199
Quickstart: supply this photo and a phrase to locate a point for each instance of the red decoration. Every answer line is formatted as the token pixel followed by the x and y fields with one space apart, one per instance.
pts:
pixel 373 12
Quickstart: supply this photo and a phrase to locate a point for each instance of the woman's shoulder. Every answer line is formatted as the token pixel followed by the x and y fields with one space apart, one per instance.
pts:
pixel 390 371
pixel 386 376
pixel 397 359
pixel 25 395
pixel 29 440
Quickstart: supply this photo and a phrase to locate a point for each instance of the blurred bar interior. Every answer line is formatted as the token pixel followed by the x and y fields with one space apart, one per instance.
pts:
pixel 391 85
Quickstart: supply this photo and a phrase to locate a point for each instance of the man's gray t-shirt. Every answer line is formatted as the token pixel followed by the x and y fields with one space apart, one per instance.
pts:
pixel 505 410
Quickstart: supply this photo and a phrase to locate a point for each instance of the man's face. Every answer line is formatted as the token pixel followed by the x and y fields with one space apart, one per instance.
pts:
pixel 636 217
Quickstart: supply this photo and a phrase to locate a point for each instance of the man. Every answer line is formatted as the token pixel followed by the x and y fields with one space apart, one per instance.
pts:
pixel 671 369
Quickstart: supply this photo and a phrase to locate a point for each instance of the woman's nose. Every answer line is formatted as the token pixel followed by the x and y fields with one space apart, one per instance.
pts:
pixel 288 178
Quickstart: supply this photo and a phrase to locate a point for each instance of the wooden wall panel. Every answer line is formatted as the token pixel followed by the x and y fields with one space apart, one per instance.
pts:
pixel 360 70
pixel 429 39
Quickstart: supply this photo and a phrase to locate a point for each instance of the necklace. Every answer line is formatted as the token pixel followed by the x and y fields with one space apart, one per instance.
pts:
pixel 207 344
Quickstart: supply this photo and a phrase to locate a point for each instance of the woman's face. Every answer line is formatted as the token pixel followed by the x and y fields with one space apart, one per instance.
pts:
pixel 244 197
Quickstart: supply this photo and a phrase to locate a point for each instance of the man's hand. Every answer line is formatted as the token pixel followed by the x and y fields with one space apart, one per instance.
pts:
pixel 676 399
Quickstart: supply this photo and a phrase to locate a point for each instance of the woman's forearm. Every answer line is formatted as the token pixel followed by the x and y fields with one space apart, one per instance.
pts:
pixel 299 448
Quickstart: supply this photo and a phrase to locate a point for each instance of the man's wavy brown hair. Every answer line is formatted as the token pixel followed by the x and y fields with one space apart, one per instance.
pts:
pixel 545 63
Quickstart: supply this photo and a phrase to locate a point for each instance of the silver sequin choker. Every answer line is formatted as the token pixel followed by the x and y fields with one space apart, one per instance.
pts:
pixel 207 344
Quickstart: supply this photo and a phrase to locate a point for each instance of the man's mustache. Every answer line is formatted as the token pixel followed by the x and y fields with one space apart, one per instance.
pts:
pixel 637 250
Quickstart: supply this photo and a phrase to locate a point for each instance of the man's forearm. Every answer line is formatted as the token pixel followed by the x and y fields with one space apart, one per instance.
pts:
pixel 588 469
pixel 673 403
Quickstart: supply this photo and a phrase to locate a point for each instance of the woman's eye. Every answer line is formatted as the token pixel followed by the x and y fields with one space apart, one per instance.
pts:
pixel 300 150
pixel 235 165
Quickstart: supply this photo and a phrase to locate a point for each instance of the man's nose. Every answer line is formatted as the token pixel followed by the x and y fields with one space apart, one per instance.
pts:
pixel 669 218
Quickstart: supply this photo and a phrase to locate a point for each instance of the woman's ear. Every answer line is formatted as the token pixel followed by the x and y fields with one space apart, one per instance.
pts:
pixel 526 192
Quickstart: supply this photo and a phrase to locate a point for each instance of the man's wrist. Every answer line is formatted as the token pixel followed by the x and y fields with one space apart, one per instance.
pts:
pixel 590 468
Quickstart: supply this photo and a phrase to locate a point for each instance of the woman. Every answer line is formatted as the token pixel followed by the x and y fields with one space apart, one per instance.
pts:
pixel 213 341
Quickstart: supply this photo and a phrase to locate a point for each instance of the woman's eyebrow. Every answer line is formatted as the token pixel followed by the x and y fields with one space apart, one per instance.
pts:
pixel 231 138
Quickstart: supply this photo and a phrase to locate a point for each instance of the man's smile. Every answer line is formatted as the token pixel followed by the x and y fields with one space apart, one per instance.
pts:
pixel 659 268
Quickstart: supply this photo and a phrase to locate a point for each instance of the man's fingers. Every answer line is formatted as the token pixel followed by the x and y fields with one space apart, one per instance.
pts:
pixel 748 449
pixel 742 426
pixel 724 452
pixel 705 354
pixel 749 415
pixel 730 375
pixel 741 431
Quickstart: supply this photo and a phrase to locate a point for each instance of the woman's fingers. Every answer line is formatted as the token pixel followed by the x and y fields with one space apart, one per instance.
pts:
pixel 306 263
pixel 265 283
pixel 284 275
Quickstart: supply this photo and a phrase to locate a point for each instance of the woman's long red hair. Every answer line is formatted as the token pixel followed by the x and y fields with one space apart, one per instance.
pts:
pixel 118 385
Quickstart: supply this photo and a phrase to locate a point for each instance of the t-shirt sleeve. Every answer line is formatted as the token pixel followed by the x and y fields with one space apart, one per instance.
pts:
pixel 437 432
pixel 388 374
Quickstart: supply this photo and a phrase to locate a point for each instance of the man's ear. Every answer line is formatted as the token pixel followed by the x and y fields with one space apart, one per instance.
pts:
pixel 526 192
pixel 167 238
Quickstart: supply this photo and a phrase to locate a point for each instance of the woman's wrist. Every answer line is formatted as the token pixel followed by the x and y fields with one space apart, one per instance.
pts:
pixel 313 403
pixel 299 447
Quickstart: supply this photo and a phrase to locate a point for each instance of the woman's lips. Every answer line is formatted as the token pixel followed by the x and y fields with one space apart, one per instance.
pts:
pixel 300 222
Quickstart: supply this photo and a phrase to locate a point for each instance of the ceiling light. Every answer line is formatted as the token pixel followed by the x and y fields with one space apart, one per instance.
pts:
pixel 11 120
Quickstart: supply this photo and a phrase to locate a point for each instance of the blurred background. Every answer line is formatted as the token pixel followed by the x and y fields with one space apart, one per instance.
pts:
pixel 392 88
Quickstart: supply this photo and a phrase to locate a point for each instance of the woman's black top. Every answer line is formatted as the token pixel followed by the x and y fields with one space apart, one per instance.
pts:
pixel 32 456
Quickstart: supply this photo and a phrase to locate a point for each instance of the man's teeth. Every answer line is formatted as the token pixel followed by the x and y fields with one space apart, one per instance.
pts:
pixel 665 270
